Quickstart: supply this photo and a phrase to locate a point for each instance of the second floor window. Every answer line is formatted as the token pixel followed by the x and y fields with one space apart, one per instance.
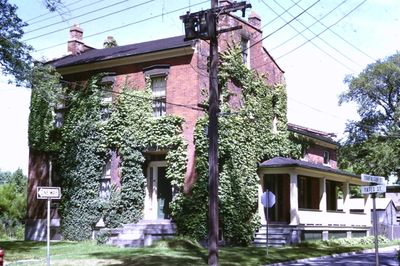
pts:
pixel 158 88
pixel 245 47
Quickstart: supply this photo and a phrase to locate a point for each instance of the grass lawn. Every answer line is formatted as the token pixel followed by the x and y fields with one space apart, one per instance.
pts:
pixel 171 252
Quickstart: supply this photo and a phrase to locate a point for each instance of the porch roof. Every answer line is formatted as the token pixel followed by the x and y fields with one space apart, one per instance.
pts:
pixel 280 162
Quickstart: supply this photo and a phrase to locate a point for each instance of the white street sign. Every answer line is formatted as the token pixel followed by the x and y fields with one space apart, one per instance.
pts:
pixel 373 179
pixel 373 189
pixel 268 200
pixel 48 192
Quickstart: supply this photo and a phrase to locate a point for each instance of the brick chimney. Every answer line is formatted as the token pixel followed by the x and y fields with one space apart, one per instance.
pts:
pixel 255 20
pixel 75 42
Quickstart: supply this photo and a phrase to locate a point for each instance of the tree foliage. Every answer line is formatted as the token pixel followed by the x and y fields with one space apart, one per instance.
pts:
pixel 15 58
pixel 15 55
pixel 12 204
pixel 373 142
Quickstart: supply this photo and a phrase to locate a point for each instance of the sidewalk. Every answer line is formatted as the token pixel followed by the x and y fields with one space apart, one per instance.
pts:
pixel 310 260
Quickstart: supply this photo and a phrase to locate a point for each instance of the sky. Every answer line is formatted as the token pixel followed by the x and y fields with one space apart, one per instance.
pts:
pixel 316 42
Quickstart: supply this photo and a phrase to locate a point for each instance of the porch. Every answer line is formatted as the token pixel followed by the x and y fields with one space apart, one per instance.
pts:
pixel 307 196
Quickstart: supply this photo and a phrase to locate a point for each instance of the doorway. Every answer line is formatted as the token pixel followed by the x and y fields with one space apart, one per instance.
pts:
pixel 159 192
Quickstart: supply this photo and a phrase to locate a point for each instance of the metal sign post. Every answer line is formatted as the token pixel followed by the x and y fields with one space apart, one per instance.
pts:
pixel 48 193
pixel 378 186
pixel 268 200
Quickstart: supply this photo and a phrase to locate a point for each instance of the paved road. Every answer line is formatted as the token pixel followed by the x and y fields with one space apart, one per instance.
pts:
pixel 387 257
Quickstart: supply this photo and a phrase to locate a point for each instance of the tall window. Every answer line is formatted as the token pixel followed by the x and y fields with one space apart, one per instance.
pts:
pixel 308 192
pixel 105 181
pixel 158 87
pixel 245 51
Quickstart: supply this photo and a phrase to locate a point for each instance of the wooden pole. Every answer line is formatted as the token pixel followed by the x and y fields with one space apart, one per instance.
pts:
pixel 213 144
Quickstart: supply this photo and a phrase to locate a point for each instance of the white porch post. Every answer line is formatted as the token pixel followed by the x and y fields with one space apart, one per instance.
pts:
pixel 346 197
pixel 294 200
pixel 322 194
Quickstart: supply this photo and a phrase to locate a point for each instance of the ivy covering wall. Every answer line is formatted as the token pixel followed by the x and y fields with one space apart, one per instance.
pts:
pixel 85 142
pixel 83 145
pixel 246 137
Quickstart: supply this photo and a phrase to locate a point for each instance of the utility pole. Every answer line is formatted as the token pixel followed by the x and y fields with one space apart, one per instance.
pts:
pixel 203 25
pixel 213 148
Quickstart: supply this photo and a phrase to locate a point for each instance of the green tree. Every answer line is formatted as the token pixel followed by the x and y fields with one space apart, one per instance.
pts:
pixel 12 204
pixel 373 142
pixel 15 58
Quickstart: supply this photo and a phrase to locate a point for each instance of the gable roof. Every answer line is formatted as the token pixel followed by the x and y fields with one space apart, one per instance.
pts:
pixel 96 55
pixel 278 162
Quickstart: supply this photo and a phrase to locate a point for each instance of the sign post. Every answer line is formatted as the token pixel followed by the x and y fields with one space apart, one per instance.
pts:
pixel 48 193
pixel 378 186
pixel 268 200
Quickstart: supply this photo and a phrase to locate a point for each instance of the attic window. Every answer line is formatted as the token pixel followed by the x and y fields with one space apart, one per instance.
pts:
pixel 326 157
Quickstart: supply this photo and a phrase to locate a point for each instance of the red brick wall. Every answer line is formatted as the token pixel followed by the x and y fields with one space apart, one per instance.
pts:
pixel 315 154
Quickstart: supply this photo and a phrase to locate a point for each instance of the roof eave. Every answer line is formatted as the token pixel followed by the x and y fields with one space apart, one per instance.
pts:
pixel 120 61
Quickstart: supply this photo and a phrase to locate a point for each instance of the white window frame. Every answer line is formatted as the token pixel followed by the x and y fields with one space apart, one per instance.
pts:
pixel 159 96
pixel 105 182
pixel 245 50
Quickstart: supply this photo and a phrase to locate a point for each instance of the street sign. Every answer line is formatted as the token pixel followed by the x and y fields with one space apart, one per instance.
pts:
pixel 48 192
pixel 373 179
pixel 373 189
pixel 268 200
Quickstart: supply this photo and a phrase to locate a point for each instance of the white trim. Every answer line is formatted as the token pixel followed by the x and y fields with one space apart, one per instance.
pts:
pixel 150 203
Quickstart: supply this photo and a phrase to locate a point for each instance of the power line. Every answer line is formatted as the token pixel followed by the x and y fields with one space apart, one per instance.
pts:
pixel 337 35
pixel 137 96
pixel 284 25
pixel 322 50
pixel 280 15
pixel 129 24
pixel 78 16
pixel 298 33
pixel 49 12
pixel 323 30
pixel 90 20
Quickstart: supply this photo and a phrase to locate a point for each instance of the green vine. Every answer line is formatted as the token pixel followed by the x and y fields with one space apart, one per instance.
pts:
pixel 246 137
pixel 85 141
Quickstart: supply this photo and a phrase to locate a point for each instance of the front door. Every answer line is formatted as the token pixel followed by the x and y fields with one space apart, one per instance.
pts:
pixel 159 192
pixel 279 185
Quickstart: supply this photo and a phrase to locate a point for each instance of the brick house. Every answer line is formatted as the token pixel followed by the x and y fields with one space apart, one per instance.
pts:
pixel 168 63
pixel 178 73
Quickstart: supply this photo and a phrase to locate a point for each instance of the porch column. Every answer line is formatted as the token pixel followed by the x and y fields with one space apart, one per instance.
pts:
pixel 322 194
pixel 346 197
pixel 294 200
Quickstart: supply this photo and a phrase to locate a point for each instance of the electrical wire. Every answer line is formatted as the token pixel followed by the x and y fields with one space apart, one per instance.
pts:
pixel 284 25
pixel 318 47
pixel 78 16
pixel 126 25
pixel 339 36
pixel 347 14
pixel 137 96
pixel 49 12
pixel 280 15
pixel 90 20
